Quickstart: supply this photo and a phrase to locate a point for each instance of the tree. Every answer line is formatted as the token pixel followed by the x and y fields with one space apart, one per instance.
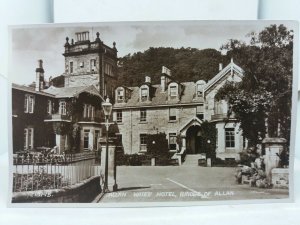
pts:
pixel 157 146
pixel 209 133
pixel 262 101
pixel 186 64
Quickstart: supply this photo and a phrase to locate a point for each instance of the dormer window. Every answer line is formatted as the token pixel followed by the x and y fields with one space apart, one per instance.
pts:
pixel 120 95
pixel 173 91
pixel 200 84
pixel 144 94
pixel 199 90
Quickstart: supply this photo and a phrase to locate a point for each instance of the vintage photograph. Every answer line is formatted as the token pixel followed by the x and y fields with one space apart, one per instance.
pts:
pixel 152 112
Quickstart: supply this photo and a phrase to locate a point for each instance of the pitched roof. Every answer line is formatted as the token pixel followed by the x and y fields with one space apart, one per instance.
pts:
pixel 69 92
pixel 230 67
pixel 160 98
pixel 30 90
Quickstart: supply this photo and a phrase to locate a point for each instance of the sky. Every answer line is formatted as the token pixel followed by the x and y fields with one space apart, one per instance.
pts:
pixel 46 42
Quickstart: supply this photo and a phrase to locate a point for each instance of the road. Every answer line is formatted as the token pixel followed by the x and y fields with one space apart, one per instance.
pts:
pixel 178 183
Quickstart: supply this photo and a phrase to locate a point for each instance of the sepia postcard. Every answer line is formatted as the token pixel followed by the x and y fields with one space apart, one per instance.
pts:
pixel 152 113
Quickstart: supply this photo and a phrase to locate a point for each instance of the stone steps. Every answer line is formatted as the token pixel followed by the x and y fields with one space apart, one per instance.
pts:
pixel 191 160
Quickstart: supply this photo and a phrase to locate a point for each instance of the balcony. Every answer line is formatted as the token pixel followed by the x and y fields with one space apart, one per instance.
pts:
pixel 58 118
pixel 222 116
pixel 90 120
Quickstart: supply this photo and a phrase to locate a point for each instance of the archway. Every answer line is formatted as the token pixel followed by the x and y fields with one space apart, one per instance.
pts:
pixel 194 140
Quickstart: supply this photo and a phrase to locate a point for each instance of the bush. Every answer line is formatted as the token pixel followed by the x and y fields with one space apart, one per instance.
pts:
pixel 131 160
pixel 224 163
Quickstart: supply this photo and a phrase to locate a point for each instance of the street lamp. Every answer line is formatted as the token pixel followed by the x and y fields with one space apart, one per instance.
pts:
pixel 107 108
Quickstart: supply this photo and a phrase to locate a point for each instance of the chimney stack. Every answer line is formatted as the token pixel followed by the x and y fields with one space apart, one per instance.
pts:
pixel 148 79
pixel 164 78
pixel 39 82
pixel 220 66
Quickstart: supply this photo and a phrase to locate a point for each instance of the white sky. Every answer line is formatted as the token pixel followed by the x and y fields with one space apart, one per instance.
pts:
pixel 46 41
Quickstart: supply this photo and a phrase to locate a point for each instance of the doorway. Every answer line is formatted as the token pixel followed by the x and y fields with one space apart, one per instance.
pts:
pixel 194 140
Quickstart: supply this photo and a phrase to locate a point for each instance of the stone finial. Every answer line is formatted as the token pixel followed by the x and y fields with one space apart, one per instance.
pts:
pixel 114 44
pixel 67 42
pixel 98 37
pixel 231 60
pixel 72 41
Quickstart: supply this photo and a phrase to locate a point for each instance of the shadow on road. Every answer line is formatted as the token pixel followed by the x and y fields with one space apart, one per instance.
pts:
pixel 131 188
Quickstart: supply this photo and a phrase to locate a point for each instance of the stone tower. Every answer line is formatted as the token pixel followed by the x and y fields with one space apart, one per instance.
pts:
pixel 90 63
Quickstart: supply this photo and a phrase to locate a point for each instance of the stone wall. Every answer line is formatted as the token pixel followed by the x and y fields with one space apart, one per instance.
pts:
pixel 86 66
pixel 82 80
pixel 84 192
pixel 157 121
pixel 221 151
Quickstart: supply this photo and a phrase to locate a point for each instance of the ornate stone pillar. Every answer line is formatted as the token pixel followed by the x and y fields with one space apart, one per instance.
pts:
pixel 112 168
pixel 273 147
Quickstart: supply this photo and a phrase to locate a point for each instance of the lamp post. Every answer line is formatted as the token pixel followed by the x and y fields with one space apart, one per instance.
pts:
pixel 208 159
pixel 107 108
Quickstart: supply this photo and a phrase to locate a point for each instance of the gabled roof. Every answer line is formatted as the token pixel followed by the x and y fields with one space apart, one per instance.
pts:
pixel 69 92
pixel 192 122
pixel 30 90
pixel 230 67
pixel 160 98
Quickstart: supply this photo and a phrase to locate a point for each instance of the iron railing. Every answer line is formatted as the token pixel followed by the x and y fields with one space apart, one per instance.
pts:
pixel 44 177
pixel 34 158
pixel 35 171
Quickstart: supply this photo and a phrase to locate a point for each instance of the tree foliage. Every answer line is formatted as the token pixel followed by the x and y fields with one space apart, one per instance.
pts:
pixel 186 64
pixel 157 145
pixel 266 89
pixel 209 134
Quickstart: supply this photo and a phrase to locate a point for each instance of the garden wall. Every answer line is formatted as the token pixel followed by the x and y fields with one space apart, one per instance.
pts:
pixel 83 192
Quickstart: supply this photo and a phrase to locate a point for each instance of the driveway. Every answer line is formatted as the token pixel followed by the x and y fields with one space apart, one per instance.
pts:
pixel 178 183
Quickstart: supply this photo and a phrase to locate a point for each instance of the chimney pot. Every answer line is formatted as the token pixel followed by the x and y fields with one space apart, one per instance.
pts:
pixel 220 66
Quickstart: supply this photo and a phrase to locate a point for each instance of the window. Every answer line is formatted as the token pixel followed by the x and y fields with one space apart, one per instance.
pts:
pixel 119 116
pixel 97 135
pixel 29 104
pixel 62 107
pixel 108 69
pixel 172 114
pixel 172 141
pixel 81 64
pixel 93 64
pixel 28 138
pixel 119 140
pixel 88 111
pixel 71 67
pixel 143 115
pixel 144 94
pixel 143 142
pixel 92 111
pixel 49 107
pixel 229 138
pixel 200 112
pixel 86 139
pixel 173 91
pixel 120 95
pixel 199 90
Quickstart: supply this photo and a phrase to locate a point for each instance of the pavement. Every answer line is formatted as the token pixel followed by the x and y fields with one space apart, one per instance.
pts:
pixel 178 183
